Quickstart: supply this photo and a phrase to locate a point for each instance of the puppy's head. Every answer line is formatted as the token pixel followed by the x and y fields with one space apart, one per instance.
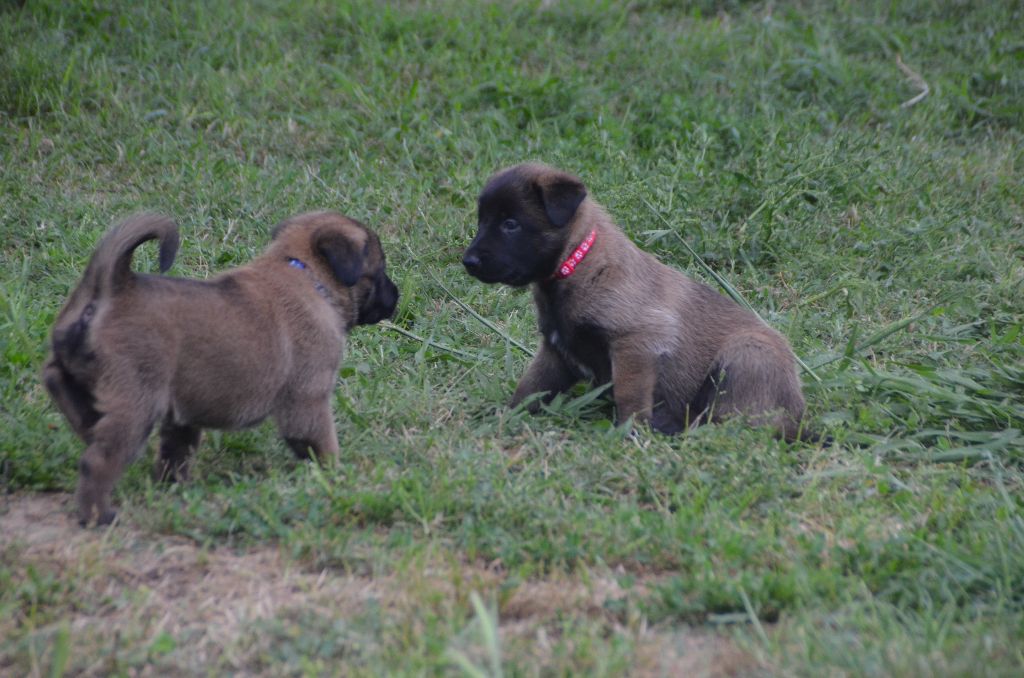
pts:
pixel 523 216
pixel 348 252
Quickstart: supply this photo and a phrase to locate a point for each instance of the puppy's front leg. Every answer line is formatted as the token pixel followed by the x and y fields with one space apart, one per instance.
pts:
pixel 325 442
pixel 633 380
pixel 548 372
pixel 310 426
pixel 177 444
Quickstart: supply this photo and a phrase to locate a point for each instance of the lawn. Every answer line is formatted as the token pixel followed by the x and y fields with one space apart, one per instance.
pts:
pixel 855 170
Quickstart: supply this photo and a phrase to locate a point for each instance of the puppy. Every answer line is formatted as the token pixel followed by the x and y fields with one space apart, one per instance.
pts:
pixel 676 352
pixel 132 351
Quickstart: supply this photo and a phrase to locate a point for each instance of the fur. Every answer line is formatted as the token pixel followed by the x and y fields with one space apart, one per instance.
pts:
pixel 130 352
pixel 676 352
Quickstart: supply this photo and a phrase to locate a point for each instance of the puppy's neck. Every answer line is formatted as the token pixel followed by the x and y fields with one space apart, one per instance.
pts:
pixel 590 220
pixel 301 265
pixel 568 267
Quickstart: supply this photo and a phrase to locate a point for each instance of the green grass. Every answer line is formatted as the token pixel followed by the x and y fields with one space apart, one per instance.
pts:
pixel 884 241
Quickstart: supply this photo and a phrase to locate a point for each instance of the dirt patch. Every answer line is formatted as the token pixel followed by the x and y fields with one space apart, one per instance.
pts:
pixel 150 604
pixel 145 587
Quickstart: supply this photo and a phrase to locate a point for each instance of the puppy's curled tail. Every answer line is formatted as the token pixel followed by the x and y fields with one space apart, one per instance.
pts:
pixel 110 268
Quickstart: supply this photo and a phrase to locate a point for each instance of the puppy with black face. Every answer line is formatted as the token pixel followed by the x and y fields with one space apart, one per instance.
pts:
pixel 131 352
pixel 676 352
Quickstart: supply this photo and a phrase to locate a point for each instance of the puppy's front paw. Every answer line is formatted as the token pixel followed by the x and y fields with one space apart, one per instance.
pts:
pixel 85 506
pixel 92 500
pixel 104 513
pixel 105 518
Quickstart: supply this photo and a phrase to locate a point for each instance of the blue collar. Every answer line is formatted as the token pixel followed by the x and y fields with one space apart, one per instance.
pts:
pixel 299 264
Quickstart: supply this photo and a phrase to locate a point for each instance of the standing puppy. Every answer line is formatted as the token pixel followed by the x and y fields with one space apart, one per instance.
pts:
pixel 676 352
pixel 132 351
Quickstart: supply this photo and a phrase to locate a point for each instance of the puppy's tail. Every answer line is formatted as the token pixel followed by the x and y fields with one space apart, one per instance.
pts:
pixel 110 268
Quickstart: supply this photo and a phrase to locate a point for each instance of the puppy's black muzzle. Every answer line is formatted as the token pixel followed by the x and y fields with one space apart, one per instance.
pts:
pixel 472 263
pixel 482 270
pixel 471 258
pixel 483 267
pixel 381 304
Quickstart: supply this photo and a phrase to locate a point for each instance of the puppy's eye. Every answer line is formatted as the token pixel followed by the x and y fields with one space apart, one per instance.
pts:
pixel 510 226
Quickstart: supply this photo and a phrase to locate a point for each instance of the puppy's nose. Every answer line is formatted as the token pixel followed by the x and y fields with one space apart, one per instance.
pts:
pixel 471 262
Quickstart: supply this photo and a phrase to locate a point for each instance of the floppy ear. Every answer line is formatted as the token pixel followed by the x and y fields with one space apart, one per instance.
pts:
pixel 278 230
pixel 561 195
pixel 344 257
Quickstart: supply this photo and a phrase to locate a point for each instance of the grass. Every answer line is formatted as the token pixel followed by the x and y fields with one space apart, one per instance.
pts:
pixel 769 138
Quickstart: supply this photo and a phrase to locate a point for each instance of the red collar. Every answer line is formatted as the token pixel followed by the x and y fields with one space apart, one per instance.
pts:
pixel 568 266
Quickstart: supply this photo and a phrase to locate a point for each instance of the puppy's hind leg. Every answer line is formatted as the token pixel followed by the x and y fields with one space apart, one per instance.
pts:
pixel 71 397
pixel 310 428
pixel 177 444
pixel 116 439
pixel 756 377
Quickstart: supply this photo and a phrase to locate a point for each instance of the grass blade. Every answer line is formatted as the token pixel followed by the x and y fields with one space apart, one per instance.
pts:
pixel 484 321
pixel 458 353
pixel 723 283
pixel 874 339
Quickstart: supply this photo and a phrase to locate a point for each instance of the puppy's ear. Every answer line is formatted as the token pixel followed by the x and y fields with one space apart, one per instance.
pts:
pixel 278 230
pixel 341 254
pixel 561 194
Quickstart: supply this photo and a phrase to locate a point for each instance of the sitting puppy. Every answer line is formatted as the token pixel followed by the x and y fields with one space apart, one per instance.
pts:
pixel 131 351
pixel 676 352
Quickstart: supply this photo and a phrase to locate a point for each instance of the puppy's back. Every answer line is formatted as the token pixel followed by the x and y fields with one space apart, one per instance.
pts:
pixel 108 274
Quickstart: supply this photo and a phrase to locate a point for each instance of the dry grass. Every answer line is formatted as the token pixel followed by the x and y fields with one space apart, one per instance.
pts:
pixel 137 585
pixel 122 587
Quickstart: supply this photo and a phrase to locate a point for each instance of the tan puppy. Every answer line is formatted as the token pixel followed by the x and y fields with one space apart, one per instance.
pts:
pixel 132 351
pixel 676 352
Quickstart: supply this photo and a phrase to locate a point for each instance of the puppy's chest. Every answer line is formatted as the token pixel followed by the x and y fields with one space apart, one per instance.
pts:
pixel 582 345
